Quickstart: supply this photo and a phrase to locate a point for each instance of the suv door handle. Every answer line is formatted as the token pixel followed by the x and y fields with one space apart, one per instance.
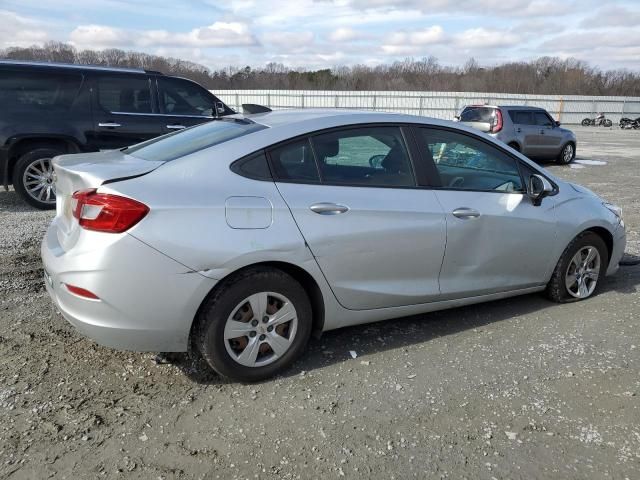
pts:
pixel 176 127
pixel 328 208
pixel 109 124
pixel 465 213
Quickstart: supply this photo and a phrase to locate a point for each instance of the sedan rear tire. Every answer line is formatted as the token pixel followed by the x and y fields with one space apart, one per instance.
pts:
pixel 579 270
pixel 255 325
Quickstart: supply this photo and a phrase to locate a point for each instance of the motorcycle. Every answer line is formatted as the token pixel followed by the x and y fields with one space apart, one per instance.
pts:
pixel 599 120
pixel 629 123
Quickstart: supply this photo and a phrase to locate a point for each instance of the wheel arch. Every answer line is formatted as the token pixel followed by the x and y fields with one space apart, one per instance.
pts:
pixel 606 236
pixel 26 144
pixel 298 273
pixel 515 145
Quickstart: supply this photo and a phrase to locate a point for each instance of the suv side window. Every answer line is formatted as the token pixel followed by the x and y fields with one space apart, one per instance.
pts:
pixel 466 163
pixel 542 119
pixel 181 97
pixel 294 162
pixel 520 117
pixel 34 91
pixel 126 94
pixel 370 156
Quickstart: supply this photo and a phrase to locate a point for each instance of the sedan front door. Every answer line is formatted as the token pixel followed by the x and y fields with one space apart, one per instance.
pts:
pixel 497 240
pixel 377 237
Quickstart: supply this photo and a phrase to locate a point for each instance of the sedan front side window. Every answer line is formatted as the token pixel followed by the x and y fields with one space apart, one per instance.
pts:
pixel 464 163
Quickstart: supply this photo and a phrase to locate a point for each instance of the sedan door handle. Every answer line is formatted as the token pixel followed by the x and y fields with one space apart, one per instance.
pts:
pixel 328 208
pixel 464 213
pixel 109 124
pixel 519 130
pixel 176 127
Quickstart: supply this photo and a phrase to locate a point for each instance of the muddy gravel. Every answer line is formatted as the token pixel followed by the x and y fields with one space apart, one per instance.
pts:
pixel 519 388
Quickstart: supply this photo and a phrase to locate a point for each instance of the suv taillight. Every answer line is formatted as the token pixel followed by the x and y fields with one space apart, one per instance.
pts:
pixel 497 122
pixel 104 212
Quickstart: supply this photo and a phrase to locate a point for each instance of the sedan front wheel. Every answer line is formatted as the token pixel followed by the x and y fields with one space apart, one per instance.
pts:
pixel 579 269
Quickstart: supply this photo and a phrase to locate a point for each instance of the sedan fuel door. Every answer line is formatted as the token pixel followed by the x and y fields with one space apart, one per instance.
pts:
pixel 377 237
pixel 498 239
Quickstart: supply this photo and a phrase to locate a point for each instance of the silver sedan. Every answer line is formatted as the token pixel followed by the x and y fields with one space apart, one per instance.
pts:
pixel 242 236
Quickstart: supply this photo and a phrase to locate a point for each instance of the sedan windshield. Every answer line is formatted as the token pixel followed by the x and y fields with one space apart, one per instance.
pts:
pixel 190 140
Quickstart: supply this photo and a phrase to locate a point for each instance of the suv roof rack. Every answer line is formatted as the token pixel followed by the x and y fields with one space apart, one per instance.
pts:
pixel 75 66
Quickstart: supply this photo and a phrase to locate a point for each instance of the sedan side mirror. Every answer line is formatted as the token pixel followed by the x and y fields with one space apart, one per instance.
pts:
pixel 558 124
pixel 538 188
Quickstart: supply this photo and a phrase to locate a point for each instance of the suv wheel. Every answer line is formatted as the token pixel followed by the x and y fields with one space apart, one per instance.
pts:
pixel 567 154
pixel 33 178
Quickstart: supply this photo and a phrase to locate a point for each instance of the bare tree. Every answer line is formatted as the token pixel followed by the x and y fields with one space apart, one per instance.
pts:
pixel 546 75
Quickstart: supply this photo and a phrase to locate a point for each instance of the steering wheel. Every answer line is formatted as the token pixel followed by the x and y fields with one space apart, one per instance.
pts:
pixel 456 182
pixel 376 161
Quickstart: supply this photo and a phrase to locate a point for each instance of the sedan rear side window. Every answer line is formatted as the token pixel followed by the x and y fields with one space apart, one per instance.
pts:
pixel 371 156
pixel 464 163
pixel 294 162
pixel 188 141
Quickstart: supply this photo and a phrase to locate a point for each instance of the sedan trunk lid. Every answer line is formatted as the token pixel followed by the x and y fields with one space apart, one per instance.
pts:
pixel 90 170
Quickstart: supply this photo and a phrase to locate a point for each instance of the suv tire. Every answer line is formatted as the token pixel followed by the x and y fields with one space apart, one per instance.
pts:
pixel 33 177
pixel 567 154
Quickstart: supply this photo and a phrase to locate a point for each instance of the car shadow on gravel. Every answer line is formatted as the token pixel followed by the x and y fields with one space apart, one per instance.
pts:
pixel 368 339
pixel 11 202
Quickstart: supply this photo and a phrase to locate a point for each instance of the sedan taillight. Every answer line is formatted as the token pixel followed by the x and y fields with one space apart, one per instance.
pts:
pixel 104 212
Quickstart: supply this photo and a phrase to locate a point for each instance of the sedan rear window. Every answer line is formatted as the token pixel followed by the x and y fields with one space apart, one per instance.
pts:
pixel 477 114
pixel 188 141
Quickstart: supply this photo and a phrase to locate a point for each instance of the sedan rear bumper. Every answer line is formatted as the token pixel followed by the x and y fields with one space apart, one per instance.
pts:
pixel 147 301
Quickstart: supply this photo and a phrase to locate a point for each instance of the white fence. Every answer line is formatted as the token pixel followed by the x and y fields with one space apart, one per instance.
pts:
pixel 569 109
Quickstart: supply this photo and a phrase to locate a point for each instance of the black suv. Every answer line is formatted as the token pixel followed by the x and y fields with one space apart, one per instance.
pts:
pixel 50 109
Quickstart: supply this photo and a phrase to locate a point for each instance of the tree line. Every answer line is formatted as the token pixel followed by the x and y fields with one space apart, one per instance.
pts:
pixel 545 75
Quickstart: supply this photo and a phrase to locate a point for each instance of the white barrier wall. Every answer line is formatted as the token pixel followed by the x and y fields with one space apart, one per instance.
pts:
pixel 569 109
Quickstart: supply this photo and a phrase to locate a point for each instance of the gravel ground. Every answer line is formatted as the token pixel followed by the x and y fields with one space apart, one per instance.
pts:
pixel 519 388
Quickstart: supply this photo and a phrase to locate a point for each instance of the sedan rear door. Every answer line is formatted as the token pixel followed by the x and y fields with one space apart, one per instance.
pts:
pixel 377 237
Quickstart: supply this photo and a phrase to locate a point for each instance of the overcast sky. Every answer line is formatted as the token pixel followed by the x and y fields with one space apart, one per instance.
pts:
pixel 326 33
